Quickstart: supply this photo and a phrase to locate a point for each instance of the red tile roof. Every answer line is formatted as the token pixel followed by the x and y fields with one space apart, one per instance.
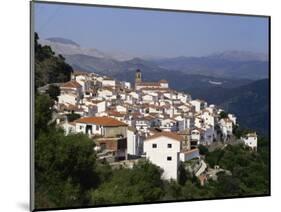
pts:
pixel 166 134
pixel 71 84
pixel 115 113
pixel 103 121
pixel 148 83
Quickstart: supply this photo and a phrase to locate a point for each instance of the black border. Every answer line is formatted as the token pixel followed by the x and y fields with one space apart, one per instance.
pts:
pixel 31 159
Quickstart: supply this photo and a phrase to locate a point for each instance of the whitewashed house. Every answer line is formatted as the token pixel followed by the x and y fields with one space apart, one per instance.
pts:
pixel 168 124
pixel 103 126
pixel 70 93
pixel 232 118
pixel 107 93
pixel 126 85
pixel 83 80
pixel 251 140
pixel 148 98
pixel 164 84
pixel 198 104
pixel 208 118
pixel 184 97
pixel 142 124
pixel 108 82
pixel 163 149
pixel 226 126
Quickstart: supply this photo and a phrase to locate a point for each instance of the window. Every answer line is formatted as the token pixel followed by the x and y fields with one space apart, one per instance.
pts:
pixel 169 158
pixel 154 145
pixel 81 127
pixel 97 127
pixel 169 145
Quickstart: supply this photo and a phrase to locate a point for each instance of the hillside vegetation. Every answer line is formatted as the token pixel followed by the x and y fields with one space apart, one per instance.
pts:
pixel 49 68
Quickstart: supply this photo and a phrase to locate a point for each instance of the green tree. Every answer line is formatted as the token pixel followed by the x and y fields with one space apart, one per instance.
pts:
pixel 65 169
pixel 223 115
pixel 227 186
pixel 43 113
pixel 49 68
pixel 172 190
pixel 202 149
pixel 250 173
pixel 191 191
pixel 182 174
pixel 72 116
pixel 53 91
pixel 142 183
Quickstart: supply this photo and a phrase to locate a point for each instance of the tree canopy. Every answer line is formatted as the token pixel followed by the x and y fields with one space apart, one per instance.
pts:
pixel 53 91
pixel 49 68
pixel 223 115
pixel 142 183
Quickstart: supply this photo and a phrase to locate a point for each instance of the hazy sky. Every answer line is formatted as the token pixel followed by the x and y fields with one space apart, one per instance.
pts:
pixel 151 33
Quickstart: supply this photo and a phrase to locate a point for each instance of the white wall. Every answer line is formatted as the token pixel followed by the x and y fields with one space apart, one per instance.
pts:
pixel 195 135
pixel 196 104
pixel 68 99
pixel 251 141
pixel 108 83
pixel 81 127
pixel 189 155
pixel 101 106
pixel 164 85
pixel 120 108
pixel 158 156
pixel 82 80
pixel 131 143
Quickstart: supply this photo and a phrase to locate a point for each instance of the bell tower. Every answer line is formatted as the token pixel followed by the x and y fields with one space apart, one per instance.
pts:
pixel 138 76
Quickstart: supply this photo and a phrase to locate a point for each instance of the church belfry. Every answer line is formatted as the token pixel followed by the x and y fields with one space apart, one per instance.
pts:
pixel 138 76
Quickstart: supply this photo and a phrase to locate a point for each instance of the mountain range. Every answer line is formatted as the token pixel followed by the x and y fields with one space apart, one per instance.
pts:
pixel 228 64
pixel 250 103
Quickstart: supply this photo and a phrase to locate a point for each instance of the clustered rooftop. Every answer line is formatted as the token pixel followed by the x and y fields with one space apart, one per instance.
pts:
pixel 147 119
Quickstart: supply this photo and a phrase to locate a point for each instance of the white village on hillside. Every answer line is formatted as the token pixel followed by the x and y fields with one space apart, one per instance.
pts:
pixel 129 122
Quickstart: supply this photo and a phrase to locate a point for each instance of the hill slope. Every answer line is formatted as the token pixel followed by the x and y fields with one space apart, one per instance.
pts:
pixel 233 64
pixel 249 102
pixel 49 68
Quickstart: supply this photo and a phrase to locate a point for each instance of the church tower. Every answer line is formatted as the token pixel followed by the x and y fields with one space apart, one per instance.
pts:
pixel 138 77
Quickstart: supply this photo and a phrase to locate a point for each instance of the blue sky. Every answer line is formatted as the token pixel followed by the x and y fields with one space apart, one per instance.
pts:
pixel 151 33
